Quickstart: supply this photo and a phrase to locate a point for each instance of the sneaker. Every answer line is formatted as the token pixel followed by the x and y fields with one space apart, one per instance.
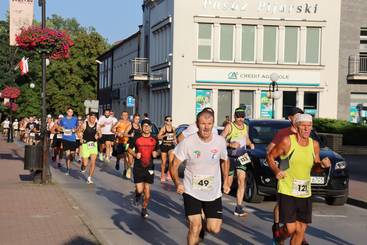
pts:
pixel 128 173
pixel 101 158
pixel 117 166
pixel 239 211
pixel 137 200
pixel 59 165
pixel 89 180
pixel 83 168
pixel 304 242
pixel 163 178
pixel 144 213
pixel 67 172
pixel 275 230
pixel 168 176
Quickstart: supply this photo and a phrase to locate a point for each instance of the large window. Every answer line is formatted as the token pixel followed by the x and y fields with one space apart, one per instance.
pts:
pixel 226 42
pixel 289 101
pixel 205 42
pixel 291 44
pixel 270 44
pixel 248 43
pixel 310 103
pixel 224 105
pixel 313 45
pixel 247 101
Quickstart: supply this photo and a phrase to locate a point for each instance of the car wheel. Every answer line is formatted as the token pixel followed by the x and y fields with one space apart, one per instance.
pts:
pixel 251 191
pixel 336 201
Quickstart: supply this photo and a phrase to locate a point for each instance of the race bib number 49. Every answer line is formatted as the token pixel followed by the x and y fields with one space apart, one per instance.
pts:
pixel 301 188
pixel 203 182
pixel 244 159
pixel 90 145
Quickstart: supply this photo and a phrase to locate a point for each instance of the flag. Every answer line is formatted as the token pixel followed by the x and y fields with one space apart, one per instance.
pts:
pixel 23 66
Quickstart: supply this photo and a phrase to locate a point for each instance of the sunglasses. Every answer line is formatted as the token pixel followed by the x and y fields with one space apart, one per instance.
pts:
pixel 168 120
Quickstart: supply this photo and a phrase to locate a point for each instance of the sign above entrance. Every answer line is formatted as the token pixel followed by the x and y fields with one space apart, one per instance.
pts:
pixel 257 76
pixel 130 101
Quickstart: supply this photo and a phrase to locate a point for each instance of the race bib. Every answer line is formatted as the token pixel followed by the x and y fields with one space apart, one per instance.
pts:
pixel 91 145
pixel 300 188
pixel 170 137
pixel 59 136
pixel 68 132
pixel 244 159
pixel 32 134
pixel 203 182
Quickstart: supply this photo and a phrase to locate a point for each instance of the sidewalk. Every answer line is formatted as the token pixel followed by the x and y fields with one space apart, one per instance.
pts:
pixel 35 214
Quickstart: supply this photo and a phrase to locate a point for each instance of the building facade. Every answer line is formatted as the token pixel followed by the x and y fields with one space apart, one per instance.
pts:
pixel 221 53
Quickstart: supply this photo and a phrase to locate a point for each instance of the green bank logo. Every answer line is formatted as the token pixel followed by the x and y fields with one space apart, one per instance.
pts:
pixel 233 75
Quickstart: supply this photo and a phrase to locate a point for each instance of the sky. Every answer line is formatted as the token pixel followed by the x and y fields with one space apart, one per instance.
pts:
pixel 113 19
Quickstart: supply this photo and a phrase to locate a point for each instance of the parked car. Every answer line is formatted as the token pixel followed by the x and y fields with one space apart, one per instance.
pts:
pixel 332 184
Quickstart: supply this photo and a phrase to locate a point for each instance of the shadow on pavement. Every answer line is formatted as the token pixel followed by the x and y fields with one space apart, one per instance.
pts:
pixel 8 156
pixel 80 241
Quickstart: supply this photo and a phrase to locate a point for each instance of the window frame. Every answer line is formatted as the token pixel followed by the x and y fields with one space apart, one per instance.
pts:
pixel 211 41
pixel 276 45
pixel 233 41
pixel 319 49
pixel 255 44
pixel 298 45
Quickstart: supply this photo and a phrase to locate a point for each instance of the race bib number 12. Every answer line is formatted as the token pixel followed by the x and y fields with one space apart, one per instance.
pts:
pixel 301 188
pixel 203 182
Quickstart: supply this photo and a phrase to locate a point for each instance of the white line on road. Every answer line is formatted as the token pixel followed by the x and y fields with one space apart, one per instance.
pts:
pixel 330 215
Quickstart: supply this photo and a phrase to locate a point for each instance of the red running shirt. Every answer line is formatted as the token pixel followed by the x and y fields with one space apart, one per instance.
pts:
pixel 145 146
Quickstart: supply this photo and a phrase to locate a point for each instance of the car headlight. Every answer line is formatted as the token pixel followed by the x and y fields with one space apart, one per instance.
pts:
pixel 340 165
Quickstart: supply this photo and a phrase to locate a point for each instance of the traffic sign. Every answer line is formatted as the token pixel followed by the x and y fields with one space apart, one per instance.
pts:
pixel 130 101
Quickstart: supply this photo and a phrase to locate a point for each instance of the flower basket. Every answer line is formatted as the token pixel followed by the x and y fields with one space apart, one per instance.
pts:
pixel 12 106
pixel 56 44
pixel 10 93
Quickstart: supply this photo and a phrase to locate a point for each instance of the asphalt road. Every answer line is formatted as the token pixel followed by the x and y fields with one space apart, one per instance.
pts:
pixel 107 208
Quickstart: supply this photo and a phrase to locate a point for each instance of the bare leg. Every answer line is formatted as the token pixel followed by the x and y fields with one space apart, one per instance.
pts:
pixel 194 229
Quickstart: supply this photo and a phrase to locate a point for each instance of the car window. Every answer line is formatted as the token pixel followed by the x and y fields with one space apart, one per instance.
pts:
pixel 262 134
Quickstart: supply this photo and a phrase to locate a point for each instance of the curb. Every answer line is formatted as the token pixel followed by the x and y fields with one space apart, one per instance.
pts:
pixel 357 203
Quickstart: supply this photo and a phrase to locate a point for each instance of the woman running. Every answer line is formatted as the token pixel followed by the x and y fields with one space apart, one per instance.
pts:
pixel 134 131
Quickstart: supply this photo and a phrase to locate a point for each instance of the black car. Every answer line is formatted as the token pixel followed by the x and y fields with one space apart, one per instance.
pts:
pixel 332 184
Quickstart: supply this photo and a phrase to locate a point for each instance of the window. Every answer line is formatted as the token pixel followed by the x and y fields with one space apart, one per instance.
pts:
pixel 358 108
pixel 313 45
pixel 246 100
pixel 363 41
pixel 291 44
pixel 289 101
pixel 224 105
pixel 226 42
pixel 248 43
pixel 310 103
pixel 205 42
pixel 270 44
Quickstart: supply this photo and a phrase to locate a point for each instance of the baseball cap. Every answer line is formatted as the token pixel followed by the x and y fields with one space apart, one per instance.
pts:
pixel 61 116
pixel 239 112
pixel 294 111
pixel 146 121
pixel 49 116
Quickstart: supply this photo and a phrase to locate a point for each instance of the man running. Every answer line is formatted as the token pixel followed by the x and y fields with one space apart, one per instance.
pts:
pixel 69 125
pixel 16 127
pixel 33 130
pixel 106 123
pixel 204 153
pixel 299 154
pixel 56 130
pixel 89 132
pixel 146 147
pixel 133 131
pixel 121 129
pixel 236 134
pixel 6 126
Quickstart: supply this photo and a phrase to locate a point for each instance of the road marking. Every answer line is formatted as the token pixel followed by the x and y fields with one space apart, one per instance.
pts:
pixel 330 215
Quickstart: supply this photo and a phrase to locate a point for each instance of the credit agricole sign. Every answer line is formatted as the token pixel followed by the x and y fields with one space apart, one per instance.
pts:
pixel 261 6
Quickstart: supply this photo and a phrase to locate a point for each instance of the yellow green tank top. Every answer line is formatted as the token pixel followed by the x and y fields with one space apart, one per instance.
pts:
pixel 300 160
pixel 237 134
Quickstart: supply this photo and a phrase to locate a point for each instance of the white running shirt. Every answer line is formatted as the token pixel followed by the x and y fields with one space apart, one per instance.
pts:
pixel 108 124
pixel 202 173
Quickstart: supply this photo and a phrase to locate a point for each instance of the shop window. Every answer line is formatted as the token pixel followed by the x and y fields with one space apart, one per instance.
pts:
pixel 226 42
pixel 270 44
pixel 310 103
pixel 224 105
pixel 203 99
pixel 358 108
pixel 289 101
pixel 247 101
pixel 205 42
pixel 248 43
pixel 313 45
pixel 291 44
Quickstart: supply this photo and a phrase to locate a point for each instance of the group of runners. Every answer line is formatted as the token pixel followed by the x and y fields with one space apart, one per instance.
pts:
pixel 211 162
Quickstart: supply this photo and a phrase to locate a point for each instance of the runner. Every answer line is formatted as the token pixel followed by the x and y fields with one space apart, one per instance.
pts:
pixel 33 130
pixel 168 137
pixel 89 133
pixel 22 129
pixel 121 130
pixel 299 154
pixel 6 125
pixel 146 147
pixel 16 127
pixel 106 123
pixel 79 135
pixel 277 139
pixel 49 125
pixel 201 188
pixel 57 141
pixel 134 130
pixel 236 134
pixel 68 125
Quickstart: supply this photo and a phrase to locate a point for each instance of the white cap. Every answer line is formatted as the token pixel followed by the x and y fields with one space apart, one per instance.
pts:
pixel 49 115
pixel 61 116
pixel 303 118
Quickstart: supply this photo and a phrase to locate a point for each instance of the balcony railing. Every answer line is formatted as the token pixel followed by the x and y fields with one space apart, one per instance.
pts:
pixel 139 69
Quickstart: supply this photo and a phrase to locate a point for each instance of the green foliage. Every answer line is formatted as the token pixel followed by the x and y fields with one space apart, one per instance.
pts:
pixel 69 81
pixel 353 134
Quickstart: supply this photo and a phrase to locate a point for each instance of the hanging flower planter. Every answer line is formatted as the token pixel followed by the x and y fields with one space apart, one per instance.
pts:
pixel 10 93
pixel 56 44
pixel 12 106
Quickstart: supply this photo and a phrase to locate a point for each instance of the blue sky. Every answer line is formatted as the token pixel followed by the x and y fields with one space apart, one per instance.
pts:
pixel 113 19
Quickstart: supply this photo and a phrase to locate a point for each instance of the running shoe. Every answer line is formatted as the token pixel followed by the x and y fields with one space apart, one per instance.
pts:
pixel 67 172
pixel 89 180
pixel 144 213
pixel 83 168
pixel 117 166
pixel 276 233
pixel 163 178
pixel 239 211
pixel 168 176
pixel 304 242
pixel 101 158
pixel 128 173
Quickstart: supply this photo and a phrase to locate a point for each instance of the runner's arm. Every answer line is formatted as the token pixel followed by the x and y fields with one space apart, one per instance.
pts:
pixel 319 165
pixel 225 173
pixel 180 137
pixel 161 135
pixel 174 171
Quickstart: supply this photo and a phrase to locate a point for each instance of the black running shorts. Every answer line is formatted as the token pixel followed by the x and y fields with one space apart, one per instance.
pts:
pixel 211 209
pixel 143 175
pixel 166 148
pixel 68 145
pixel 292 209
pixel 107 137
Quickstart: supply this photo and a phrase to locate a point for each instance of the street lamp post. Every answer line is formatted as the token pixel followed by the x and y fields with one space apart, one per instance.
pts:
pixel 10 130
pixel 273 91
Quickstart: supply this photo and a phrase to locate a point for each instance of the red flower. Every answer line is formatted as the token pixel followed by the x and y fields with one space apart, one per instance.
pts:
pixel 11 105
pixel 10 92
